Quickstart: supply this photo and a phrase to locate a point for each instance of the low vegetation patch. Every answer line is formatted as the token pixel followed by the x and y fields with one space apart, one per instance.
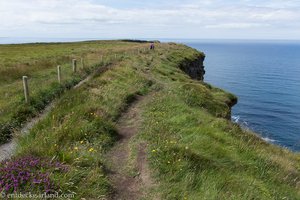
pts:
pixel 29 174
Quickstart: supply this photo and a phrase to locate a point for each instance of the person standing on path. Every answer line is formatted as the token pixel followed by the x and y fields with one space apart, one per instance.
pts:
pixel 152 46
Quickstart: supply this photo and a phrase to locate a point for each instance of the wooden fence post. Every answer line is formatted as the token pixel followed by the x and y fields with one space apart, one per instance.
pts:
pixel 59 74
pixel 74 65
pixel 26 88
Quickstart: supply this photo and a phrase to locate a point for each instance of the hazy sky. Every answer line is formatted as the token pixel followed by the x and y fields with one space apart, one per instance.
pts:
pixel 234 19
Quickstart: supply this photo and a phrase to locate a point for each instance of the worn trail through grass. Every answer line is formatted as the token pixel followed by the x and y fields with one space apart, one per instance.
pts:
pixel 7 150
pixel 146 118
pixel 127 184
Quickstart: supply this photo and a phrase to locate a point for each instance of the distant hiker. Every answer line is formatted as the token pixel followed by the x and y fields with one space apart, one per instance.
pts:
pixel 152 46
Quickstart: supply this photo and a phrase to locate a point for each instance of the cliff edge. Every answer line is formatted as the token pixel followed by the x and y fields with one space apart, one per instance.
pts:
pixel 146 127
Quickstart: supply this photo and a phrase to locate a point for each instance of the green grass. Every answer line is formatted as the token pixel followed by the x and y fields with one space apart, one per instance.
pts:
pixel 38 62
pixel 80 129
pixel 85 123
pixel 197 154
pixel 194 151
pixel 17 60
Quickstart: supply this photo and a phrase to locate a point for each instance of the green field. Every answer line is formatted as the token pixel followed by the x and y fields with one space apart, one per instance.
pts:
pixel 39 62
pixel 193 152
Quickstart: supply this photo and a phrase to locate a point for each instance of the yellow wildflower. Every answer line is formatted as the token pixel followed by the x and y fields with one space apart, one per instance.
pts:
pixel 76 148
pixel 91 149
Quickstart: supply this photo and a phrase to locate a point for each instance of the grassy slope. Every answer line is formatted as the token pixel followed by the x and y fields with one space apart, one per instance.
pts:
pixel 39 61
pixel 197 155
pixel 193 152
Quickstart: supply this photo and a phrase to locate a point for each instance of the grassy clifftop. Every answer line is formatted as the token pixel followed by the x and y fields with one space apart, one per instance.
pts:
pixel 38 62
pixel 192 150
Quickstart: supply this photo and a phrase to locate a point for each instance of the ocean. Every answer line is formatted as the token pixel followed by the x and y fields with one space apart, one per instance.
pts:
pixel 265 75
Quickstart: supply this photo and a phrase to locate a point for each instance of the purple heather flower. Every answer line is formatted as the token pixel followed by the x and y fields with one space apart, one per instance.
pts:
pixel 28 172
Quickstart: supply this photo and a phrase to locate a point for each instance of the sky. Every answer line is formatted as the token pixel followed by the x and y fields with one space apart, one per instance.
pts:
pixel 181 19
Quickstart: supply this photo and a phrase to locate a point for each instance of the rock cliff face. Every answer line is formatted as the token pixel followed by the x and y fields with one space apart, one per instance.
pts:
pixel 194 68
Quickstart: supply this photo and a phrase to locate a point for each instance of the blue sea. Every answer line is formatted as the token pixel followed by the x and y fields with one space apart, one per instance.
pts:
pixel 265 75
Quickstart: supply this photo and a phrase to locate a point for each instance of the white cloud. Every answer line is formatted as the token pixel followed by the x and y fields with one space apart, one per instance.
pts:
pixel 236 26
pixel 63 17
